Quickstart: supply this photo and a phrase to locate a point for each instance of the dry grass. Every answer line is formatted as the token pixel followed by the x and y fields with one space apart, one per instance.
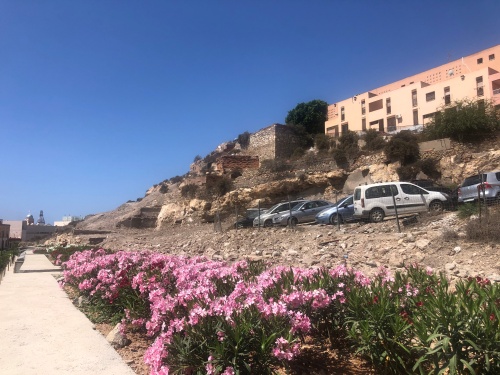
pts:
pixel 485 228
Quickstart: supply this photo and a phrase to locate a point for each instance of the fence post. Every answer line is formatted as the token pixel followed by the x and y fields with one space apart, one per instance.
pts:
pixel 258 205
pixel 291 225
pixel 236 212
pixel 395 208
pixel 479 196
pixel 337 203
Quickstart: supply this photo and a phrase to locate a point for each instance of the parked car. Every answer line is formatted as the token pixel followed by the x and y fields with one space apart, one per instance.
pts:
pixel 247 220
pixel 302 213
pixel 375 201
pixel 344 209
pixel 470 187
pixel 450 194
pixel 266 219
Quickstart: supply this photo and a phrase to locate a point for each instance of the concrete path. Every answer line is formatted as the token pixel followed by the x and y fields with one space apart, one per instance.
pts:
pixel 41 332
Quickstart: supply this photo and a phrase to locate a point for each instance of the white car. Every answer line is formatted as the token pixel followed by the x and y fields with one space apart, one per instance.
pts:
pixel 376 201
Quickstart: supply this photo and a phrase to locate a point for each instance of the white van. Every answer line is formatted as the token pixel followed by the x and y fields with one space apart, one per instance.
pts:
pixel 376 201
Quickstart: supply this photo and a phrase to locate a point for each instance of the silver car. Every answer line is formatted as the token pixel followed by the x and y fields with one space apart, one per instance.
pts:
pixel 471 187
pixel 266 219
pixel 302 213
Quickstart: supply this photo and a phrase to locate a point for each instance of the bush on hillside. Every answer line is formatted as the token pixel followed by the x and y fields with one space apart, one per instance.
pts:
pixel 340 157
pixel 298 153
pixel 348 142
pixel 244 139
pixel 403 147
pixel 485 230
pixel 465 120
pixel 373 140
pixel 410 171
pixel 322 142
pixel 176 179
pixel 221 187
pixel 278 165
pixel 189 190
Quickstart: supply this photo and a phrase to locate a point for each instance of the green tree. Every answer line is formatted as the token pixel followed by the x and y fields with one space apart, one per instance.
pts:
pixel 347 149
pixel 348 142
pixel 403 147
pixel 311 115
pixel 322 142
pixel 464 120
pixel 373 140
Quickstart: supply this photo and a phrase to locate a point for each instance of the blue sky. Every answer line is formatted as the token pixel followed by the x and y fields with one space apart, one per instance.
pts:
pixel 100 100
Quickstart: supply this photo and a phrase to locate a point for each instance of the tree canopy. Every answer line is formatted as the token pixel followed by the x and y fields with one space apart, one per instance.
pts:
pixel 403 147
pixel 464 120
pixel 311 115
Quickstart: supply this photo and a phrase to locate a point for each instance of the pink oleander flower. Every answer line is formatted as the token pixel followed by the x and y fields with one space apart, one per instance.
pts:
pixel 228 371
pixel 283 350
pixel 300 322
pixel 210 367
pixel 220 336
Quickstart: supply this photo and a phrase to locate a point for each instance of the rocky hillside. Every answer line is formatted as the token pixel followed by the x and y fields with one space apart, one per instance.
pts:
pixel 163 204
pixel 165 221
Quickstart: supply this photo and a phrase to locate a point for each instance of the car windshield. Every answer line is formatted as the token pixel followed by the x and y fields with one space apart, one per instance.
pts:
pixel 254 213
pixel 280 207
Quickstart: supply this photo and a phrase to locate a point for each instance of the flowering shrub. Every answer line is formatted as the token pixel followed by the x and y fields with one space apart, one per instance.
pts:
pixel 211 317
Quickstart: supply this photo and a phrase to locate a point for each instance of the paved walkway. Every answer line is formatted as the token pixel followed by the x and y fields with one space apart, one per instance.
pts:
pixel 41 332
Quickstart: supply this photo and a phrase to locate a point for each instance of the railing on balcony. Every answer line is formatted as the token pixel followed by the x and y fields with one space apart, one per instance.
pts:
pixel 496 92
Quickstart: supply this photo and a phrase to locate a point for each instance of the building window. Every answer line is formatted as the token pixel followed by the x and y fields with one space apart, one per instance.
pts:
pixel 414 98
pixel 345 128
pixel 363 124
pixel 376 105
pixel 333 131
pixel 342 114
pixel 430 96
pixel 415 117
pixel 388 105
pixel 447 96
pixel 491 57
pixel 429 117
pixel 479 86
pixel 363 107
pixel 480 60
pixel 391 124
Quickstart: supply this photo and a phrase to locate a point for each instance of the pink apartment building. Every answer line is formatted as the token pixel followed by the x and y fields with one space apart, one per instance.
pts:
pixel 412 101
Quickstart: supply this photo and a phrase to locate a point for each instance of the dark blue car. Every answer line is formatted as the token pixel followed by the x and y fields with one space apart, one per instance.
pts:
pixel 345 209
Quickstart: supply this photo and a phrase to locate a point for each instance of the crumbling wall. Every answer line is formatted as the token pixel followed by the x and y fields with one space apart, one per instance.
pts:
pixel 237 162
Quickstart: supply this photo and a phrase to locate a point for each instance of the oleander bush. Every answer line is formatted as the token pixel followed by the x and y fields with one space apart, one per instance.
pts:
pixel 213 317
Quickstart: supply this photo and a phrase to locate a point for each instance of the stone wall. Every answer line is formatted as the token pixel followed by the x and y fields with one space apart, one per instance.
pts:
pixel 286 142
pixel 235 162
pixel 274 142
pixel 436 145
pixel 262 143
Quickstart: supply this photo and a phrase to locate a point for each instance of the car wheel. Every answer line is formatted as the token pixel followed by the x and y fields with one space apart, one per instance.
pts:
pixel 377 215
pixel 436 206
pixel 333 219
pixel 268 223
pixel 293 221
